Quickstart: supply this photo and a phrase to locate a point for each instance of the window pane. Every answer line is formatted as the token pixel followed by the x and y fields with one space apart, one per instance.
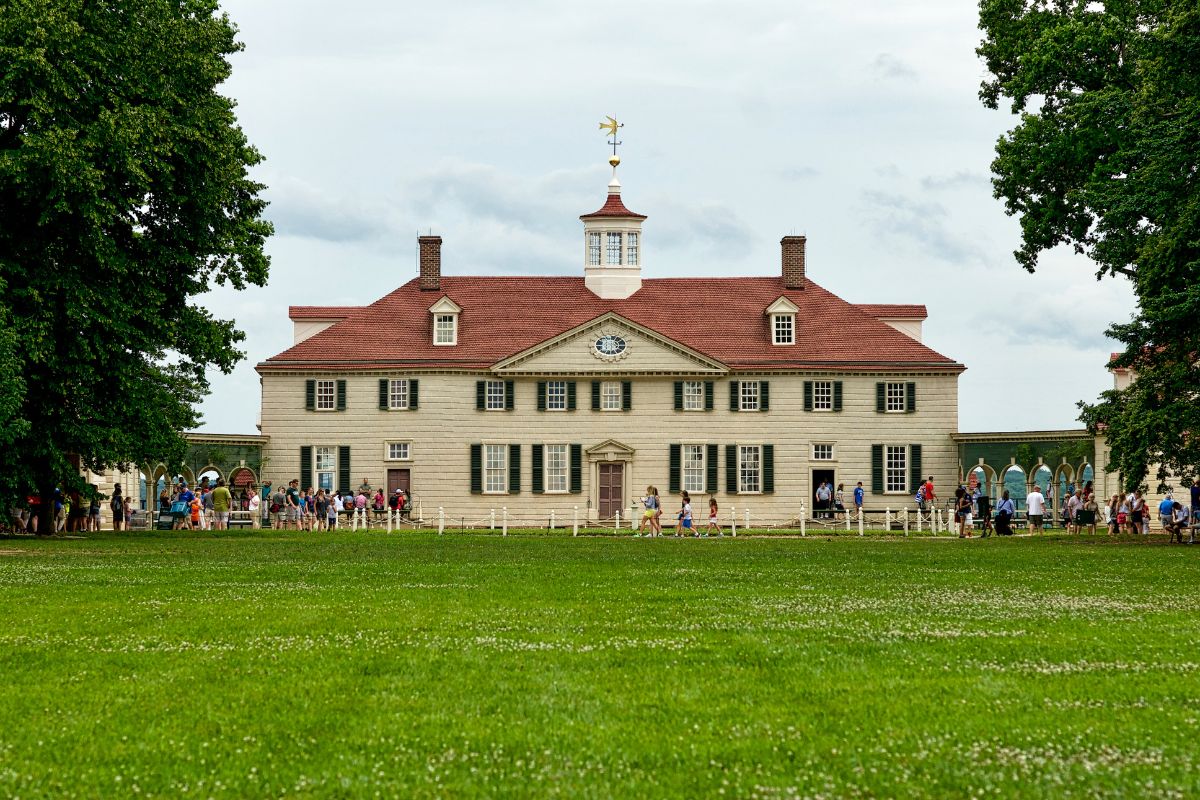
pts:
pixel 610 396
pixel 325 394
pixel 896 468
pixel 614 248
pixel 556 395
pixel 823 395
pixel 822 452
pixel 444 329
pixel 693 468
pixel 495 468
pixel 631 248
pixel 323 458
pixel 748 468
pixel 784 329
pixel 895 397
pixel 398 451
pixel 495 395
pixel 398 393
pixel 693 395
pixel 594 249
pixel 556 468
pixel 749 393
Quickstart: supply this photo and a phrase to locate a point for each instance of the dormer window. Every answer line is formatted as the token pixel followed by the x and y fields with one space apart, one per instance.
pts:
pixel 782 319
pixel 445 322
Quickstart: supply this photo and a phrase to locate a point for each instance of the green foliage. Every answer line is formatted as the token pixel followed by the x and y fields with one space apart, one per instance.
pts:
pixel 124 194
pixel 1105 159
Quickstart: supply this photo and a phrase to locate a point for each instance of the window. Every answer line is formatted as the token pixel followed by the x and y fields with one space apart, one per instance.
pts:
pixel 749 395
pixel 822 452
pixel 895 468
pixel 614 249
pixel 610 396
pixel 326 396
pixel 556 468
pixel 495 396
pixel 556 395
pixel 398 451
pixel 495 468
pixel 749 468
pixel 325 467
pixel 398 394
pixel 594 249
pixel 895 397
pixel 445 329
pixel 693 396
pixel 631 249
pixel 785 329
pixel 822 395
pixel 693 468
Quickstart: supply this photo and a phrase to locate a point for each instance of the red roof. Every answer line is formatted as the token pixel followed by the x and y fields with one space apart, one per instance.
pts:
pixel 893 311
pixel 320 312
pixel 719 317
pixel 613 207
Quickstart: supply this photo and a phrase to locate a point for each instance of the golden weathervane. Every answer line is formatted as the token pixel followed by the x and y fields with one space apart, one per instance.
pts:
pixel 610 127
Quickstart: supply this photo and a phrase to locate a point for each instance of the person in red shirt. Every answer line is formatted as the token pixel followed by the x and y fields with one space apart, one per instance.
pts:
pixel 930 497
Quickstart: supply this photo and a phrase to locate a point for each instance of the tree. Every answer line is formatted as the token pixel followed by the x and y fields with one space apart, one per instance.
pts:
pixel 124 194
pixel 1105 159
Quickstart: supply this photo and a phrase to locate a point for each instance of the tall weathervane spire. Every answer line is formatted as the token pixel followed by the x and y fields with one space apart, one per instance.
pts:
pixel 611 128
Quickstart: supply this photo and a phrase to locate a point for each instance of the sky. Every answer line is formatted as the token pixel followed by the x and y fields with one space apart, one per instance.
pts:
pixel 856 124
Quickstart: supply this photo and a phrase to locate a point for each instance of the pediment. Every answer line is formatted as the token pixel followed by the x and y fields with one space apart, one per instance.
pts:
pixel 610 450
pixel 782 305
pixel 445 306
pixel 631 349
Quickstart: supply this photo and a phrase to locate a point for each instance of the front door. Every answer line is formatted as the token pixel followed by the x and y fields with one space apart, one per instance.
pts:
pixel 399 479
pixel 820 476
pixel 612 483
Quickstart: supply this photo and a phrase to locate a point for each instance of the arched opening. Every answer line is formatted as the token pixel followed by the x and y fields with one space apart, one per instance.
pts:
pixel 207 479
pixel 162 487
pixel 983 477
pixel 242 484
pixel 1087 476
pixel 143 488
pixel 1064 482
pixel 1014 482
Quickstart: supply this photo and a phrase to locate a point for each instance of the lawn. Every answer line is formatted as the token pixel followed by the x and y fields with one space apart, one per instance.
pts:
pixel 362 665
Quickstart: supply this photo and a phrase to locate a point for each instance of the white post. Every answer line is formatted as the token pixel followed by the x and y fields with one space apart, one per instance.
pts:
pixel 747 519
pixel 504 513
pixel 441 520
pixel 937 520
pixel 906 522
pixel 733 520
pixel 552 519
pixel 803 519
pixel 860 522
pixel 633 521
pixel 847 520
pixel 492 521
pixel 575 525
pixel 420 513
pixel 887 520
pixel 617 520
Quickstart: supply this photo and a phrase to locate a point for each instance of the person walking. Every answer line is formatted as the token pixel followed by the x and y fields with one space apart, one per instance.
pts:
pixel 839 498
pixel 117 506
pixel 983 504
pixel 713 523
pixel 1074 505
pixel 222 502
pixel 962 508
pixel 1088 513
pixel 858 500
pixel 824 491
pixel 1137 512
pixel 1035 509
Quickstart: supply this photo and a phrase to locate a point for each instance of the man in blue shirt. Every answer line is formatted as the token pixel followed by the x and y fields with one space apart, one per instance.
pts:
pixel 858 498
pixel 1166 510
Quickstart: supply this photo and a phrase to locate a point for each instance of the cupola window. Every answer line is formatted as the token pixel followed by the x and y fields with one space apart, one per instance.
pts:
pixel 614 249
pixel 631 249
pixel 594 249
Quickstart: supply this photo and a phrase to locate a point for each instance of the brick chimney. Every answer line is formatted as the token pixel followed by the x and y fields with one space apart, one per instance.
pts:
pixel 431 262
pixel 793 261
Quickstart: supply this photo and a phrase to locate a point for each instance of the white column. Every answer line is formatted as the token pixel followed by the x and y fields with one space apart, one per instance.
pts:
pixel 575 524
pixel 906 522
pixel 803 518
pixel 887 520
pixel 441 520
pixel 733 520
pixel 747 519
pixel 617 520
pixel 504 529
pixel 860 523
pixel 552 519
pixel 847 520
pixel 492 521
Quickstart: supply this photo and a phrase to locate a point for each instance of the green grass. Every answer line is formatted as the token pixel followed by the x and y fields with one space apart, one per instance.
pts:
pixel 351 665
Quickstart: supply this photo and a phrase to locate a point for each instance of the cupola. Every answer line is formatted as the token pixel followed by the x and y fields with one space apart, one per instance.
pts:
pixel 612 239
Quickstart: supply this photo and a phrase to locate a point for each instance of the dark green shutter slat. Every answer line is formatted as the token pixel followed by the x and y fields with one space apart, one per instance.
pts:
pixel 731 469
pixel 537 455
pixel 764 396
pixel 480 395
pixel 576 468
pixel 310 395
pixel 514 469
pixel 626 395
pixel 768 468
pixel 910 396
pixel 709 386
pixel 711 468
pixel 808 396
pixel 877 468
pixel 344 468
pixel 476 469
pixel 541 395
pixel 383 394
pixel 509 396
pixel 679 395
pixel 595 395
pixel 675 458
pixel 915 468
pixel 341 395
pixel 837 395
pixel 413 393
pixel 570 395
pixel 305 467
pixel 880 397
pixel 733 395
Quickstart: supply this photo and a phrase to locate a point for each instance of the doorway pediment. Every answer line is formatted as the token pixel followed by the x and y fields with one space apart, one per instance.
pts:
pixel 609 450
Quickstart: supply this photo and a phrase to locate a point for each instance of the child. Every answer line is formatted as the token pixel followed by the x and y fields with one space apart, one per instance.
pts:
pixel 712 518
pixel 683 523
pixel 649 504
pixel 656 522
pixel 197 503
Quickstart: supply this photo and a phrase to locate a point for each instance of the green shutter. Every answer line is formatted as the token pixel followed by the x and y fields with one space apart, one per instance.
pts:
pixel 710 465
pixel 537 484
pixel 510 396
pixel 675 457
pixel 541 395
pixel 808 395
pixel 305 467
pixel 731 469
pixel 679 395
pixel 764 395
pixel 837 395
pixel 344 468
pixel 880 397
pixel 310 395
pixel 570 395
pixel 595 395
pixel 910 396
pixel 626 395
pixel 708 395
pixel 341 395
pixel 576 467
pixel 383 394
pixel 480 395
pixel 768 468
pixel 877 468
pixel 414 389
pixel 914 467
pixel 733 396
pixel 476 469
pixel 514 469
